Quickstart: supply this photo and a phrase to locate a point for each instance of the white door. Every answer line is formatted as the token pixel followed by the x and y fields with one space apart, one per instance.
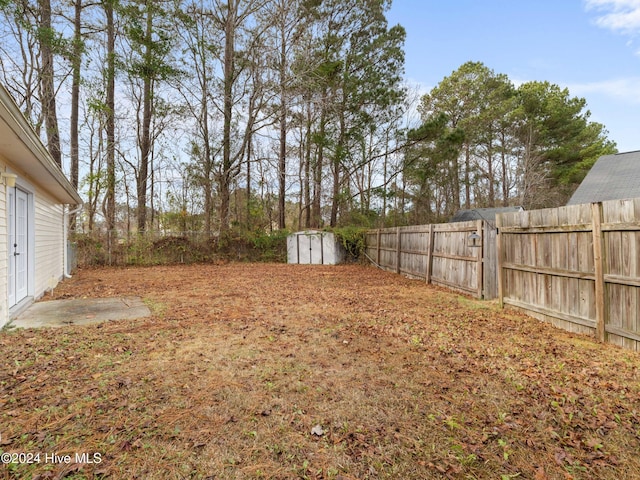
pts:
pixel 18 245
pixel 304 249
pixel 310 249
pixel 317 250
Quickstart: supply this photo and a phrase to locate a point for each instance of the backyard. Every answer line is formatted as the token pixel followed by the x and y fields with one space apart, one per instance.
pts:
pixel 289 371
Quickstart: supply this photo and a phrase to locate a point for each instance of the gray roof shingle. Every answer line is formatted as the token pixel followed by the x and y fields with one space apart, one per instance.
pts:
pixel 481 214
pixel 612 177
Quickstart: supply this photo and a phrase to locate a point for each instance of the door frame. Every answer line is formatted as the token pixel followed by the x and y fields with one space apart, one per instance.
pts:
pixel 29 190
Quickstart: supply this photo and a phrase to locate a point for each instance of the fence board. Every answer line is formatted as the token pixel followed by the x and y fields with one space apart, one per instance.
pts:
pixel 577 267
pixel 489 262
pixel 439 254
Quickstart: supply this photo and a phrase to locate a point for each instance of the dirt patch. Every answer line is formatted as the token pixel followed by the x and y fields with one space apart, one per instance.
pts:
pixel 288 371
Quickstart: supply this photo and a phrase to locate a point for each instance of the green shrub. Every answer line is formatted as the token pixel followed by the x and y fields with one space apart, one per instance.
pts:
pixel 271 246
pixel 152 249
pixel 353 239
pixel 255 245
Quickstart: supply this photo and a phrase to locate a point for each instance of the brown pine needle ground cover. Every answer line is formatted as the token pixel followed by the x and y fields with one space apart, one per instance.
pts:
pixel 240 363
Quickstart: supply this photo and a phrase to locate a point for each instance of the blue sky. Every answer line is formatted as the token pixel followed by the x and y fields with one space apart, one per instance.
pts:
pixel 592 47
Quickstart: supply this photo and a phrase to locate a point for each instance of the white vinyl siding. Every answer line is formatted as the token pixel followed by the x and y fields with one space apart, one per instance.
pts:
pixel 4 273
pixel 49 243
pixel 25 158
pixel 46 241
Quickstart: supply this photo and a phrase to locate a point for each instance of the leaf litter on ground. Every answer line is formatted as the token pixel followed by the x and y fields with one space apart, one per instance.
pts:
pixel 241 363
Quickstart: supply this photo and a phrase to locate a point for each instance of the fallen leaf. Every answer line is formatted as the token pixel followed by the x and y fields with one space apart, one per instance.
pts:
pixel 560 456
pixel 541 474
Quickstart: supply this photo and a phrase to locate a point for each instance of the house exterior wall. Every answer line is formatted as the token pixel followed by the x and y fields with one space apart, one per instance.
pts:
pixel 49 243
pixel 41 194
pixel 46 242
pixel 4 273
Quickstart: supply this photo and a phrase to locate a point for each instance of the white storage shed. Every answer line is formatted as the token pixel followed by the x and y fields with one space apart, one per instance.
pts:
pixel 314 247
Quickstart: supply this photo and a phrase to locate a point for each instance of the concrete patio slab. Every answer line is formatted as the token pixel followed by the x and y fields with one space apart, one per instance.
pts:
pixel 83 311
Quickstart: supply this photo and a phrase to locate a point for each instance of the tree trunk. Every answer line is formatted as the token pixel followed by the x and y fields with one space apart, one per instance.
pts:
pixel 110 119
pixel 248 206
pixel 316 211
pixel 282 158
pixel 208 161
pixel 145 140
pixel 505 173
pixel 76 62
pixel 337 167
pixel 490 179
pixel 383 214
pixel 467 180
pixel 307 171
pixel 335 201
pixel 228 74
pixel 282 166
pixel 48 96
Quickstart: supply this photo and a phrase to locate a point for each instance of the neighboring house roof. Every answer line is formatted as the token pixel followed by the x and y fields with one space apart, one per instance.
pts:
pixel 21 147
pixel 488 214
pixel 612 177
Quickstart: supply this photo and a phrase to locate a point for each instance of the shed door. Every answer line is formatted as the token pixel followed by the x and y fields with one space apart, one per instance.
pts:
pixel 311 249
pixel 18 246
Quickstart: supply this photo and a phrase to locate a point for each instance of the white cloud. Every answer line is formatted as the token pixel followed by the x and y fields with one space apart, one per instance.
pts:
pixel 618 15
pixel 619 89
pixel 517 81
pixel 417 87
pixel 627 89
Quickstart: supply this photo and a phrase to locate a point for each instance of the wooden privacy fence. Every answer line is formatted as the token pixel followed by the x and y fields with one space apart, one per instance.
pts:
pixel 441 254
pixel 576 266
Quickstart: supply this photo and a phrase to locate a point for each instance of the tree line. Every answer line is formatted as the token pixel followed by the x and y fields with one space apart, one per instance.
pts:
pixel 209 115
pixel 487 143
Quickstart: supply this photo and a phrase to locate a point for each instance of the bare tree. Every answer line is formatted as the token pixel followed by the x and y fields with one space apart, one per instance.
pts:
pixel 196 92
pixel 47 37
pixel 282 20
pixel 110 107
pixel 233 19
pixel 20 59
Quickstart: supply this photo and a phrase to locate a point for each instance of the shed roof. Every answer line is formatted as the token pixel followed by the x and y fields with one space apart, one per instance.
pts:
pixel 308 232
pixel 20 146
pixel 612 177
pixel 481 214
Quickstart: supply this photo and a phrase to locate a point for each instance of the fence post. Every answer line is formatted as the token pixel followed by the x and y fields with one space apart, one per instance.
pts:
pixel 378 247
pixel 429 255
pixel 499 260
pixel 598 260
pixel 479 254
pixel 398 249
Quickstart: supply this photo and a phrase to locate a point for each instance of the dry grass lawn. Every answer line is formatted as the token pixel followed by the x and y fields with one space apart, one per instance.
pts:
pixel 274 371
